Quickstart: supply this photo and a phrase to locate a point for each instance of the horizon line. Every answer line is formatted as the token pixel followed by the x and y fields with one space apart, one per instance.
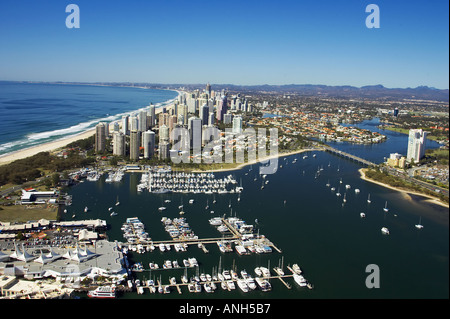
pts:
pixel 224 84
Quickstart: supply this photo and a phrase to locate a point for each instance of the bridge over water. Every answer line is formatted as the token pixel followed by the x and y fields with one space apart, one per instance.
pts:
pixel 348 156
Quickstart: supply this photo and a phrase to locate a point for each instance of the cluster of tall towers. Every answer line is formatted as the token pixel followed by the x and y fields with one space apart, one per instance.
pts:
pixel 198 111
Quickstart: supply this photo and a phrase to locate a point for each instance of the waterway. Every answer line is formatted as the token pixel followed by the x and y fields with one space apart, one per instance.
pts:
pixel 305 219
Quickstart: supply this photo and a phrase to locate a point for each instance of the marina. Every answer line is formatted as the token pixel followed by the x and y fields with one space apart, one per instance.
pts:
pixel 166 181
pixel 300 232
pixel 208 284
pixel 239 235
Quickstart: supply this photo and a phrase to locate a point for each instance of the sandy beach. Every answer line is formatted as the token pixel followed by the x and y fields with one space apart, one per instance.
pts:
pixel 431 199
pixel 46 147
pixel 57 144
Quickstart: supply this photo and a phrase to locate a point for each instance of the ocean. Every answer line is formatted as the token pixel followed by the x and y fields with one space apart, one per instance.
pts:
pixel 305 219
pixel 37 113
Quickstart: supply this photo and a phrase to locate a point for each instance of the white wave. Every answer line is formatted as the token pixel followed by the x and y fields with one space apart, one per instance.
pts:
pixel 34 139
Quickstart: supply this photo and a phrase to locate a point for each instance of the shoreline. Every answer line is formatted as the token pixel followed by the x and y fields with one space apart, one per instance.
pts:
pixel 258 160
pixel 62 142
pixel 430 199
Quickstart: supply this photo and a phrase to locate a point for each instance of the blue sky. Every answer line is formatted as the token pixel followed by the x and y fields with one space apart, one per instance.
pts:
pixel 239 42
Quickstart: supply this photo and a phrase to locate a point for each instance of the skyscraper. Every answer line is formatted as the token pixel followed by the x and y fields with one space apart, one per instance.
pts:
pixel 142 121
pixel 208 90
pixel 125 128
pixel 416 145
pixel 222 108
pixel 152 115
pixel 195 131
pixel 163 119
pixel 195 134
pixel 164 151
pixel 164 134
pixel 211 120
pixel 118 144
pixel 148 142
pixel 204 113
pixel 134 145
pixel 237 125
pixel 395 112
pixel 134 123
pixel 100 137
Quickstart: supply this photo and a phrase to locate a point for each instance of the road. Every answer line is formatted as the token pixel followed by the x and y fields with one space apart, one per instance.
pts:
pixel 406 177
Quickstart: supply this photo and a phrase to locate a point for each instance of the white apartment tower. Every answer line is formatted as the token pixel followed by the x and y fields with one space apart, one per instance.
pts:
pixel 416 145
pixel 237 125
pixel 148 142
pixel 118 144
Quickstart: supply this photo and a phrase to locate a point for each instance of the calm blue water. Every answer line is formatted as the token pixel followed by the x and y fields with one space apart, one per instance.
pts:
pixel 330 241
pixel 33 114
pixel 396 143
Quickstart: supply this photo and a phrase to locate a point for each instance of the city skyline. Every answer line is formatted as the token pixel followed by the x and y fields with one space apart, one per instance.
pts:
pixel 248 43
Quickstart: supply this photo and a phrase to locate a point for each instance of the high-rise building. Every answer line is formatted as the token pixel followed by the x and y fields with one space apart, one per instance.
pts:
pixel 237 125
pixel 172 122
pixel 208 89
pixel 116 127
pixel 195 133
pixel 148 142
pixel 204 113
pixel 134 145
pixel 222 108
pixel 211 120
pixel 416 145
pixel 134 123
pixel 182 113
pixel 125 128
pixel 152 115
pixel 118 144
pixel 100 137
pixel 164 151
pixel 163 119
pixel 142 121
pixel 164 134
pixel 227 118
pixel 395 112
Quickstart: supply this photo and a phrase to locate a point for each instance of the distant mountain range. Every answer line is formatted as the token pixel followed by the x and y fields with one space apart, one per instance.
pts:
pixel 344 91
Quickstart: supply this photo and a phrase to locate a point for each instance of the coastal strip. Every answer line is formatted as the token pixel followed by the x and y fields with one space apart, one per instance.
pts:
pixel 60 143
pixel 432 199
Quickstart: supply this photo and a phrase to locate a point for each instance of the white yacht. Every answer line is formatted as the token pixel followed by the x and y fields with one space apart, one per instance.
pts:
pixel 226 275
pixel 362 215
pixel 103 292
pixel 385 230
pixel 242 285
pixel 263 284
pixel 300 280
pixel 296 269
pixel 419 225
